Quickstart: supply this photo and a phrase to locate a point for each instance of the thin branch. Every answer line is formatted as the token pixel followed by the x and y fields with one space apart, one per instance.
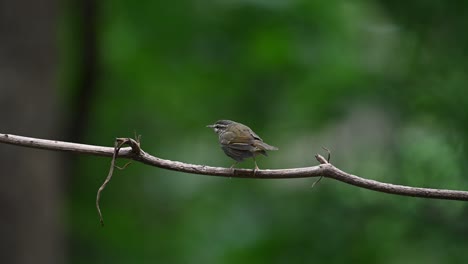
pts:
pixel 322 161
pixel 117 145
pixel 124 166
pixel 324 169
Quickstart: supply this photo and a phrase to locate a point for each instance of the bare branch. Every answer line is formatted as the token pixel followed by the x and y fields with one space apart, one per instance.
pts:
pixel 324 169
pixel 322 161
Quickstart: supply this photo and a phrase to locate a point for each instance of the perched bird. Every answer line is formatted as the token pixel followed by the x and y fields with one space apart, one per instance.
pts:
pixel 239 142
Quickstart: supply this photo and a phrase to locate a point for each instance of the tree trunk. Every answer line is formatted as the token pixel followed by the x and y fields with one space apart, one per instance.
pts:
pixel 30 189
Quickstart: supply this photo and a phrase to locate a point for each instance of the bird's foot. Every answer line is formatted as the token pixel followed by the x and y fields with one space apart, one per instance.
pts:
pixel 255 169
pixel 232 168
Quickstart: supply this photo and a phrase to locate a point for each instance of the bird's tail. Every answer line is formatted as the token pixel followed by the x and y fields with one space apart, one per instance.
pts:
pixel 264 146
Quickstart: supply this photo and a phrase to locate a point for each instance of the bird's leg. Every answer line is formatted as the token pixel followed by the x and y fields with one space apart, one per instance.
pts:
pixel 232 166
pixel 256 166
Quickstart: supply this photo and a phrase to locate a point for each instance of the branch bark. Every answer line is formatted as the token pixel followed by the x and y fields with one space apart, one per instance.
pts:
pixel 325 169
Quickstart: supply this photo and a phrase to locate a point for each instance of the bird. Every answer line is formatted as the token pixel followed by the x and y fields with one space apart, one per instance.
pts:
pixel 239 142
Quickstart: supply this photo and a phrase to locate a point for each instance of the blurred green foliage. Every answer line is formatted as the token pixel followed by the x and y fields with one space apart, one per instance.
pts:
pixel 383 84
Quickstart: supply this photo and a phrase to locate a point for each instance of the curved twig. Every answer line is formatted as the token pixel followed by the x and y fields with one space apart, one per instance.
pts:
pixel 117 145
pixel 324 169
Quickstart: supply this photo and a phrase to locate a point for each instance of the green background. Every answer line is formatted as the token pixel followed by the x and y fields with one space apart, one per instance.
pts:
pixel 382 84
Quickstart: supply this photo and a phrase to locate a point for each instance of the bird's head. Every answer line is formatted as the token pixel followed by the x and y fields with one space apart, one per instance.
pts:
pixel 220 126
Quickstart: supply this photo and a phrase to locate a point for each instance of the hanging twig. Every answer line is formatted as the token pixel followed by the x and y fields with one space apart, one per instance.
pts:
pixel 117 146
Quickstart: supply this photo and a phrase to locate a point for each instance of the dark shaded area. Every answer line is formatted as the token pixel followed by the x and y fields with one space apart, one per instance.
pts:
pixel 83 25
pixel 30 182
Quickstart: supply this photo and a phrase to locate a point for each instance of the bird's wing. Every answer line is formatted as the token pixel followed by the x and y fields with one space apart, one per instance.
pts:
pixel 256 141
pixel 238 142
pixel 242 146
pixel 250 132
pixel 255 135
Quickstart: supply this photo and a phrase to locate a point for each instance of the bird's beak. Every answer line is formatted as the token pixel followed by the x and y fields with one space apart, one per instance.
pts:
pixel 210 126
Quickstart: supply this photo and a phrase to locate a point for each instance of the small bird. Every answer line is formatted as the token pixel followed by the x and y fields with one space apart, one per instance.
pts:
pixel 239 142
